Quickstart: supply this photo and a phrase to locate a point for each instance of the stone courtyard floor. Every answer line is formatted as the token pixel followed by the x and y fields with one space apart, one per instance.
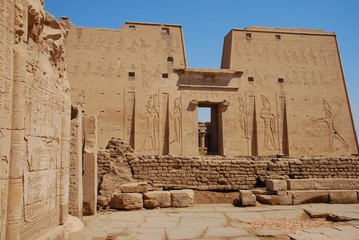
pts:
pixel 224 221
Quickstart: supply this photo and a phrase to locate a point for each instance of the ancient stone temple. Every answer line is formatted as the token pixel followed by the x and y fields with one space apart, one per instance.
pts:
pixel 68 92
pixel 34 124
pixel 279 91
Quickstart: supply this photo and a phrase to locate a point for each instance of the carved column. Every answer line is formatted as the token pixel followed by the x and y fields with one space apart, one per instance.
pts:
pixel 17 144
pixel 15 195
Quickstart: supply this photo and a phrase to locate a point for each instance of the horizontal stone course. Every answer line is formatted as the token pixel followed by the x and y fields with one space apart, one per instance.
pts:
pixel 236 173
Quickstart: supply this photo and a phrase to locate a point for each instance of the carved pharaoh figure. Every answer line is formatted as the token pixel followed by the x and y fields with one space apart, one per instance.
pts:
pixel 243 119
pixel 329 120
pixel 269 124
pixel 176 118
pixel 151 116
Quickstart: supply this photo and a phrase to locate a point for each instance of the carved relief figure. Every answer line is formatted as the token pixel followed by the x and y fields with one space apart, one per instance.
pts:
pixel 329 120
pixel 133 46
pixel 176 118
pixel 243 119
pixel 81 99
pixel 145 74
pixel 151 116
pixel 144 48
pixel 269 124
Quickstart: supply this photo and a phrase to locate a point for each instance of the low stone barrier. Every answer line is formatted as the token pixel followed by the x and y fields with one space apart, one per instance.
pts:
pixel 302 191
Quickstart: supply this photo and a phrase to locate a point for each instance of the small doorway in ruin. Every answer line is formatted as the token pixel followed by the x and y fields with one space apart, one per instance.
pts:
pixel 209 129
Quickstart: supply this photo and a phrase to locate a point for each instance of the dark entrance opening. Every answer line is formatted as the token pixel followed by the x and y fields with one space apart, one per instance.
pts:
pixel 210 129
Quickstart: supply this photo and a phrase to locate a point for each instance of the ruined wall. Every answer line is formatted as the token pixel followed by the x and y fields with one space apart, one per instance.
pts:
pixel 35 111
pixel 294 80
pixel 230 173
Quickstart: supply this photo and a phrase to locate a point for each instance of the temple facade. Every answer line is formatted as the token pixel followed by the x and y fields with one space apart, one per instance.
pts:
pixel 279 91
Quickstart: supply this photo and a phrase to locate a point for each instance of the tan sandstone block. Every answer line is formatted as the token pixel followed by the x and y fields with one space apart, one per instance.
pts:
pixel 139 187
pixel 275 200
pixel 247 198
pixel 336 184
pixel 303 197
pixel 156 199
pixel 300 184
pixel 182 198
pixel 127 201
pixel 276 185
pixel 343 197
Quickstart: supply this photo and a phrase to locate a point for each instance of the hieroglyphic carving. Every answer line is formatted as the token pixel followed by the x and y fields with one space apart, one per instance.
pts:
pixel 133 46
pixel 270 124
pixel 46 111
pixel 158 48
pixel 119 67
pixel 329 120
pixel 252 127
pixel 145 75
pixel 151 116
pixel 144 50
pixel 130 119
pixel 176 119
pixel 42 154
pixel 242 119
pixel 3 205
pixel 283 128
pixel 165 125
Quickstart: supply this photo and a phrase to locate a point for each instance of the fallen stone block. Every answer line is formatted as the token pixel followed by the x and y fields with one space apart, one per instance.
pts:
pixel 182 198
pixel 247 198
pixel 156 199
pixel 138 187
pixel 343 197
pixel 300 184
pixel 303 197
pixel 275 200
pixel 276 185
pixel 127 201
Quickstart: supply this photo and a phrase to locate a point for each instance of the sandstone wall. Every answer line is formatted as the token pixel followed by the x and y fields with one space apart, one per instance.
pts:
pixel 125 78
pixel 34 123
pixel 280 91
pixel 6 89
pixel 229 173
pixel 296 76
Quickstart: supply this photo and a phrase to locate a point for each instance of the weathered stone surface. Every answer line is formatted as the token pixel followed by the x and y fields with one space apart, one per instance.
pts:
pixel 127 201
pixel 300 184
pixel 247 198
pixel 158 122
pixel 90 165
pixel 156 199
pixel 323 184
pixel 275 200
pixel 137 187
pixel 76 191
pixel 113 168
pixel 343 197
pixel 276 185
pixel 182 198
pixel 303 197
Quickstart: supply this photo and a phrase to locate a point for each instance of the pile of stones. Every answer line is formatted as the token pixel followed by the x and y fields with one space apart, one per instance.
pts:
pixel 134 196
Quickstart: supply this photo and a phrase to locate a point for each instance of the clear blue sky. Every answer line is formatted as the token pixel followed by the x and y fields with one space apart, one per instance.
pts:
pixel 206 22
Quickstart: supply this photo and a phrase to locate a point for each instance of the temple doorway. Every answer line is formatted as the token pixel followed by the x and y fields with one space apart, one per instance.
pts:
pixel 210 139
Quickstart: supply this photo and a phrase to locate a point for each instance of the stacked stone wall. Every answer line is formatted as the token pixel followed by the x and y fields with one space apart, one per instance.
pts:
pixel 223 173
